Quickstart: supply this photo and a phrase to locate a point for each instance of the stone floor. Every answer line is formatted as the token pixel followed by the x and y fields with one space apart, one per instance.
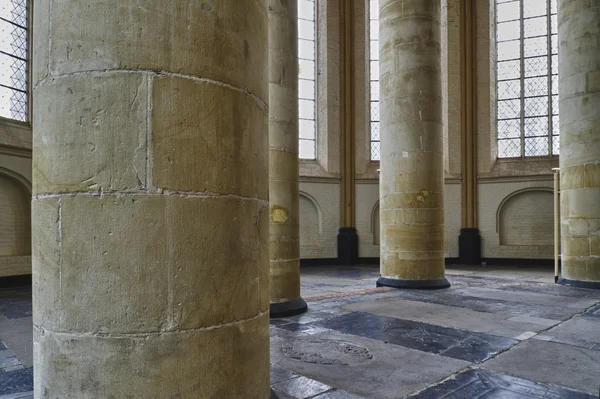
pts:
pixel 498 332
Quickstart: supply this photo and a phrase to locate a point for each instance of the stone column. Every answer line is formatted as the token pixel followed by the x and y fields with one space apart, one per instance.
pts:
pixel 412 180
pixel 579 106
pixel 283 159
pixel 150 208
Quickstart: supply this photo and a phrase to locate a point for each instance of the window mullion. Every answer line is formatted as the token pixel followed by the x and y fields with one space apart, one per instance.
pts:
pixel 549 43
pixel 522 21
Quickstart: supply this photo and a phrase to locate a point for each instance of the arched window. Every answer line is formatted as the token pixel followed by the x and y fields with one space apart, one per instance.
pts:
pixel 306 78
pixel 13 59
pixel 374 73
pixel 527 78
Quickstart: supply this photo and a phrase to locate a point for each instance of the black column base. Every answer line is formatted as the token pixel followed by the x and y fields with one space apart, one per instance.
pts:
pixel 469 247
pixel 413 284
pixel 347 246
pixel 288 309
pixel 595 285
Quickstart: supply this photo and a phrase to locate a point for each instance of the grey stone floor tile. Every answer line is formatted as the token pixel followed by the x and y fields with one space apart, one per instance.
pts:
pixel 551 363
pixel 578 329
pixel 452 316
pixel 364 367
pixel 279 374
pixel 336 394
pixel 16 381
pixel 301 387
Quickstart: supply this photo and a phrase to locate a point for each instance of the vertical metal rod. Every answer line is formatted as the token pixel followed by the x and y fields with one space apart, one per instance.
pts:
pixel 556 224
pixel 549 43
pixel 522 23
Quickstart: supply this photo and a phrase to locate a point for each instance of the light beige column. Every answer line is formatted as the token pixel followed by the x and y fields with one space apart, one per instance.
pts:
pixel 579 102
pixel 411 188
pixel 283 159
pixel 150 208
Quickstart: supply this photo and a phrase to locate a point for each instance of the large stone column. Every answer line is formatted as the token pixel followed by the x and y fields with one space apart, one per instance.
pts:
pixel 283 160
pixel 150 208
pixel 412 184
pixel 579 102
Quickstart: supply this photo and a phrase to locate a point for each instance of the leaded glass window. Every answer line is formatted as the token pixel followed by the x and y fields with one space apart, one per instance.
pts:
pixel 374 79
pixel 13 59
pixel 306 78
pixel 527 78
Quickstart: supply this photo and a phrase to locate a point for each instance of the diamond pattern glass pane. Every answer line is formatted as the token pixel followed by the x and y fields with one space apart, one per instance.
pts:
pixel 509 70
pixel 509 148
pixel 536 106
pixel 509 128
pixel 537 66
pixel 536 127
pixel 536 86
pixel 374 77
pixel 536 146
pixel 306 79
pixel 527 82
pixel 13 59
pixel 509 109
pixel 509 89
pixel 555 145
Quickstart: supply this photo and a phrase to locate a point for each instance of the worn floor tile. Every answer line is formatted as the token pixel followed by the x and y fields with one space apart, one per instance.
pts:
pixel 450 342
pixel 551 363
pixel 301 387
pixel 486 384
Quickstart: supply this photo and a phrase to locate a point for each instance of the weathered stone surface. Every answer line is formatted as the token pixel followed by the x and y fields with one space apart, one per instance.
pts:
pixel 227 362
pixel 579 101
pixel 93 139
pixel 223 40
pixel 215 143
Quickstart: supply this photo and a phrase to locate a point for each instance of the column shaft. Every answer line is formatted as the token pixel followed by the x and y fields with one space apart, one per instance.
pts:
pixel 411 189
pixel 150 208
pixel 283 159
pixel 579 107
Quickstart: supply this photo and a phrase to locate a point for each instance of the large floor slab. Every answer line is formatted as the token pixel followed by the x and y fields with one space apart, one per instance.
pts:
pixel 454 317
pixel 361 366
pixel 448 342
pixel 551 363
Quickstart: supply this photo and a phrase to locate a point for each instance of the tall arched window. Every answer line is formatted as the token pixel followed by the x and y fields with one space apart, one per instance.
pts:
pixel 374 73
pixel 527 78
pixel 13 59
pixel 306 78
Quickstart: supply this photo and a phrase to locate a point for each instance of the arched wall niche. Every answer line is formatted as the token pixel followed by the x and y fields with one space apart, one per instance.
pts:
pixel 526 218
pixel 15 214
pixel 310 221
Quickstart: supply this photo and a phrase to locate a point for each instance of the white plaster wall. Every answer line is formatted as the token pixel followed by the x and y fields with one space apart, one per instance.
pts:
pixel 326 197
pixel 491 196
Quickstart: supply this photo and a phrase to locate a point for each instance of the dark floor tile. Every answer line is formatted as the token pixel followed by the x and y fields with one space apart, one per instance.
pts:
pixel 301 387
pixel 278 322
pixel 593 313
pixel 450 342
pixel 481 383
pixel 279 374
pixel 15 303
pixel 16 381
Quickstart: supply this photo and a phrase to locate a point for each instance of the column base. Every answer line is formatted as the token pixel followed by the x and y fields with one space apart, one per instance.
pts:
pixel 413 284
pixel 595 285
pixel 347 246
pixel 288 308
pixel 469 246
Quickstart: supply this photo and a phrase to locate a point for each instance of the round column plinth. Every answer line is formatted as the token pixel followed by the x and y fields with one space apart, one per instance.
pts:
pixel 413 284
pixel 288 308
